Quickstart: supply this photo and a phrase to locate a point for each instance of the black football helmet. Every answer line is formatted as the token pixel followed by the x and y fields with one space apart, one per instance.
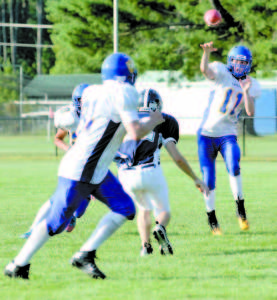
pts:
pixel 150 99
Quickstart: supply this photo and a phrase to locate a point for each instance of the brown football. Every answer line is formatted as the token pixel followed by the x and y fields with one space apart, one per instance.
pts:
pixel 212 17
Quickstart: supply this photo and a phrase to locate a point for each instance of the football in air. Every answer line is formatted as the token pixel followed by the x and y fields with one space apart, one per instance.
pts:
pixel 212 17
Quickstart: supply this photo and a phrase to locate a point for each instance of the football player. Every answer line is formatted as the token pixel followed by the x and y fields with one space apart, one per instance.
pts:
pixel 111 111
pixel 66 121
pixel 232 90
pixel 141 175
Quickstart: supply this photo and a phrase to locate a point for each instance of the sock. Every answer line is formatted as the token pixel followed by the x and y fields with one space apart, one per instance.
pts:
pixel 210 201
pixel 36 240
pixel 236 186
pixel 105 228
pixel 42 214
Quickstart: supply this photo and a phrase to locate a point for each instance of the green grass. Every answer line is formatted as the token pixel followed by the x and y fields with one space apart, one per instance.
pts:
pixel 233 266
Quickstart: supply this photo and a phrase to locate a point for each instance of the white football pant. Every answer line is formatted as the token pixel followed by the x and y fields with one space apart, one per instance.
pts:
pixel 147 187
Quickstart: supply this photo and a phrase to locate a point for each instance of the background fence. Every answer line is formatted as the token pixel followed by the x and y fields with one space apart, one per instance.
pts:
pixel 35 136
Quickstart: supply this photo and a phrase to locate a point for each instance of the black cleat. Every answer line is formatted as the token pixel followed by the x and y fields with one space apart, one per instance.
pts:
pixel 14 271
pixel 160 235
pixel 213 223
pixel 146 249
pixel 85 261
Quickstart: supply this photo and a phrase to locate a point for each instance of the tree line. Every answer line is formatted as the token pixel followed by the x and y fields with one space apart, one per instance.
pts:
pixel 159 35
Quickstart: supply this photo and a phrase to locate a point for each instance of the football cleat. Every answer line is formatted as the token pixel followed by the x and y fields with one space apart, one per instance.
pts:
pixel 213 223
pixel 26 234
pixel 244 225
pixel 241 214
pixel 146 249
pixel 85 261
pixel 70 227
pixel 14 271
pixel 160 235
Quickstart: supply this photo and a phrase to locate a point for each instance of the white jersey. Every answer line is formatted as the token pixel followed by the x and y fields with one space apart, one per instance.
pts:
pixel 225 102
pixel 67 119
pixel 100 132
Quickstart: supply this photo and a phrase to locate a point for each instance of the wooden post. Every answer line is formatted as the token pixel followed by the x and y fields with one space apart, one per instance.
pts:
pixel 39 36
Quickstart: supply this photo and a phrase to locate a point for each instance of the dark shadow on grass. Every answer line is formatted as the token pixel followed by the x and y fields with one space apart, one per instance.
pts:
pixel 243 251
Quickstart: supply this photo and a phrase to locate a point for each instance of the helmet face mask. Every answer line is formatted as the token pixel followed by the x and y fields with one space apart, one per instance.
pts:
pixel 236 56
pixel 77 96
pixel 150 100
pixel 119 67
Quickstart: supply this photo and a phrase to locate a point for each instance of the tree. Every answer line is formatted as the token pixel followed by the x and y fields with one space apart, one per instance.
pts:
pixel 25 12
pixel 160 34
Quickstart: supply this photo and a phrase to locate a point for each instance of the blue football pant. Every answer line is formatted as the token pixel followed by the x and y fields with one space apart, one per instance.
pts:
pixel 208 148
pixel 69 195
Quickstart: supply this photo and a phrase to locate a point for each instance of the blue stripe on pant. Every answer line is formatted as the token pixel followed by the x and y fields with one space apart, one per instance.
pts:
pixel 208 148
pixel 70 194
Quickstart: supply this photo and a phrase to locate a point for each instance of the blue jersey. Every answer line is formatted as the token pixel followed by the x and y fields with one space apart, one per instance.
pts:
pixel 147 150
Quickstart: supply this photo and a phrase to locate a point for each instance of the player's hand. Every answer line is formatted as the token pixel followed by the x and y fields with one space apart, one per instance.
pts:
pixel 156 117
pixel 245 84
pixel 208 47
pixel 201 186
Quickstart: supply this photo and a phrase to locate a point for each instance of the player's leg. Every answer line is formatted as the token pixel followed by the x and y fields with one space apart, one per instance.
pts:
pixel 144 223
pixel 41 215
pixel 231 153
pixel 78 214
pixel 207 153
pixel 111 193
pixel 65 201
pixel 132 183
pixel 158 191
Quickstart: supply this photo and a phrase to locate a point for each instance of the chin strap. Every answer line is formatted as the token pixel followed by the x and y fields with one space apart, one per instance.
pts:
pixel 242 78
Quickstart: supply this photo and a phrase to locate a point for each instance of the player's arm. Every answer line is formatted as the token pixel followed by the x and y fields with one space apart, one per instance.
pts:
pixel 139 128
pixel 204 65
pixel 182 163
pixel 59 139
pixel 248 100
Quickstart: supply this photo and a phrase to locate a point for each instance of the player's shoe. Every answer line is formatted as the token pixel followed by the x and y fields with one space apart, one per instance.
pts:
pixel 146 249
pixel 160 235
pixel 241 214
pixel 213 223
pixel 85 261
pixel 26 234
pixel 70 227
pixel 13 271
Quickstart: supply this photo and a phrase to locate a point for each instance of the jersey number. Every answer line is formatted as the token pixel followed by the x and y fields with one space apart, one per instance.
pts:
pixel 229 93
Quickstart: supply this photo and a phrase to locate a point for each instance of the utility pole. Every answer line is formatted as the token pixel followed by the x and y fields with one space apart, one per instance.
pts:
pixel 12 34
pixel 4 31
pixel 115 26
pixel 39 35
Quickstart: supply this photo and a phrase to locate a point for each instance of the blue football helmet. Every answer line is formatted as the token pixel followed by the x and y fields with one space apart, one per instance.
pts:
pixel 150 99
pixel 119 67
pixel 239 53
pixel 77 95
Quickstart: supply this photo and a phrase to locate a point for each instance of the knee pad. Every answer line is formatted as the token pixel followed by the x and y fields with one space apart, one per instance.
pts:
pixel 131 211
pixel 131 217
pixel 56 229
pixel 57 223
pixel 233 168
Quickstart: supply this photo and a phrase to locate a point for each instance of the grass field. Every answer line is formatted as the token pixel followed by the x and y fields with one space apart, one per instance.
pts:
pixel 236 265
